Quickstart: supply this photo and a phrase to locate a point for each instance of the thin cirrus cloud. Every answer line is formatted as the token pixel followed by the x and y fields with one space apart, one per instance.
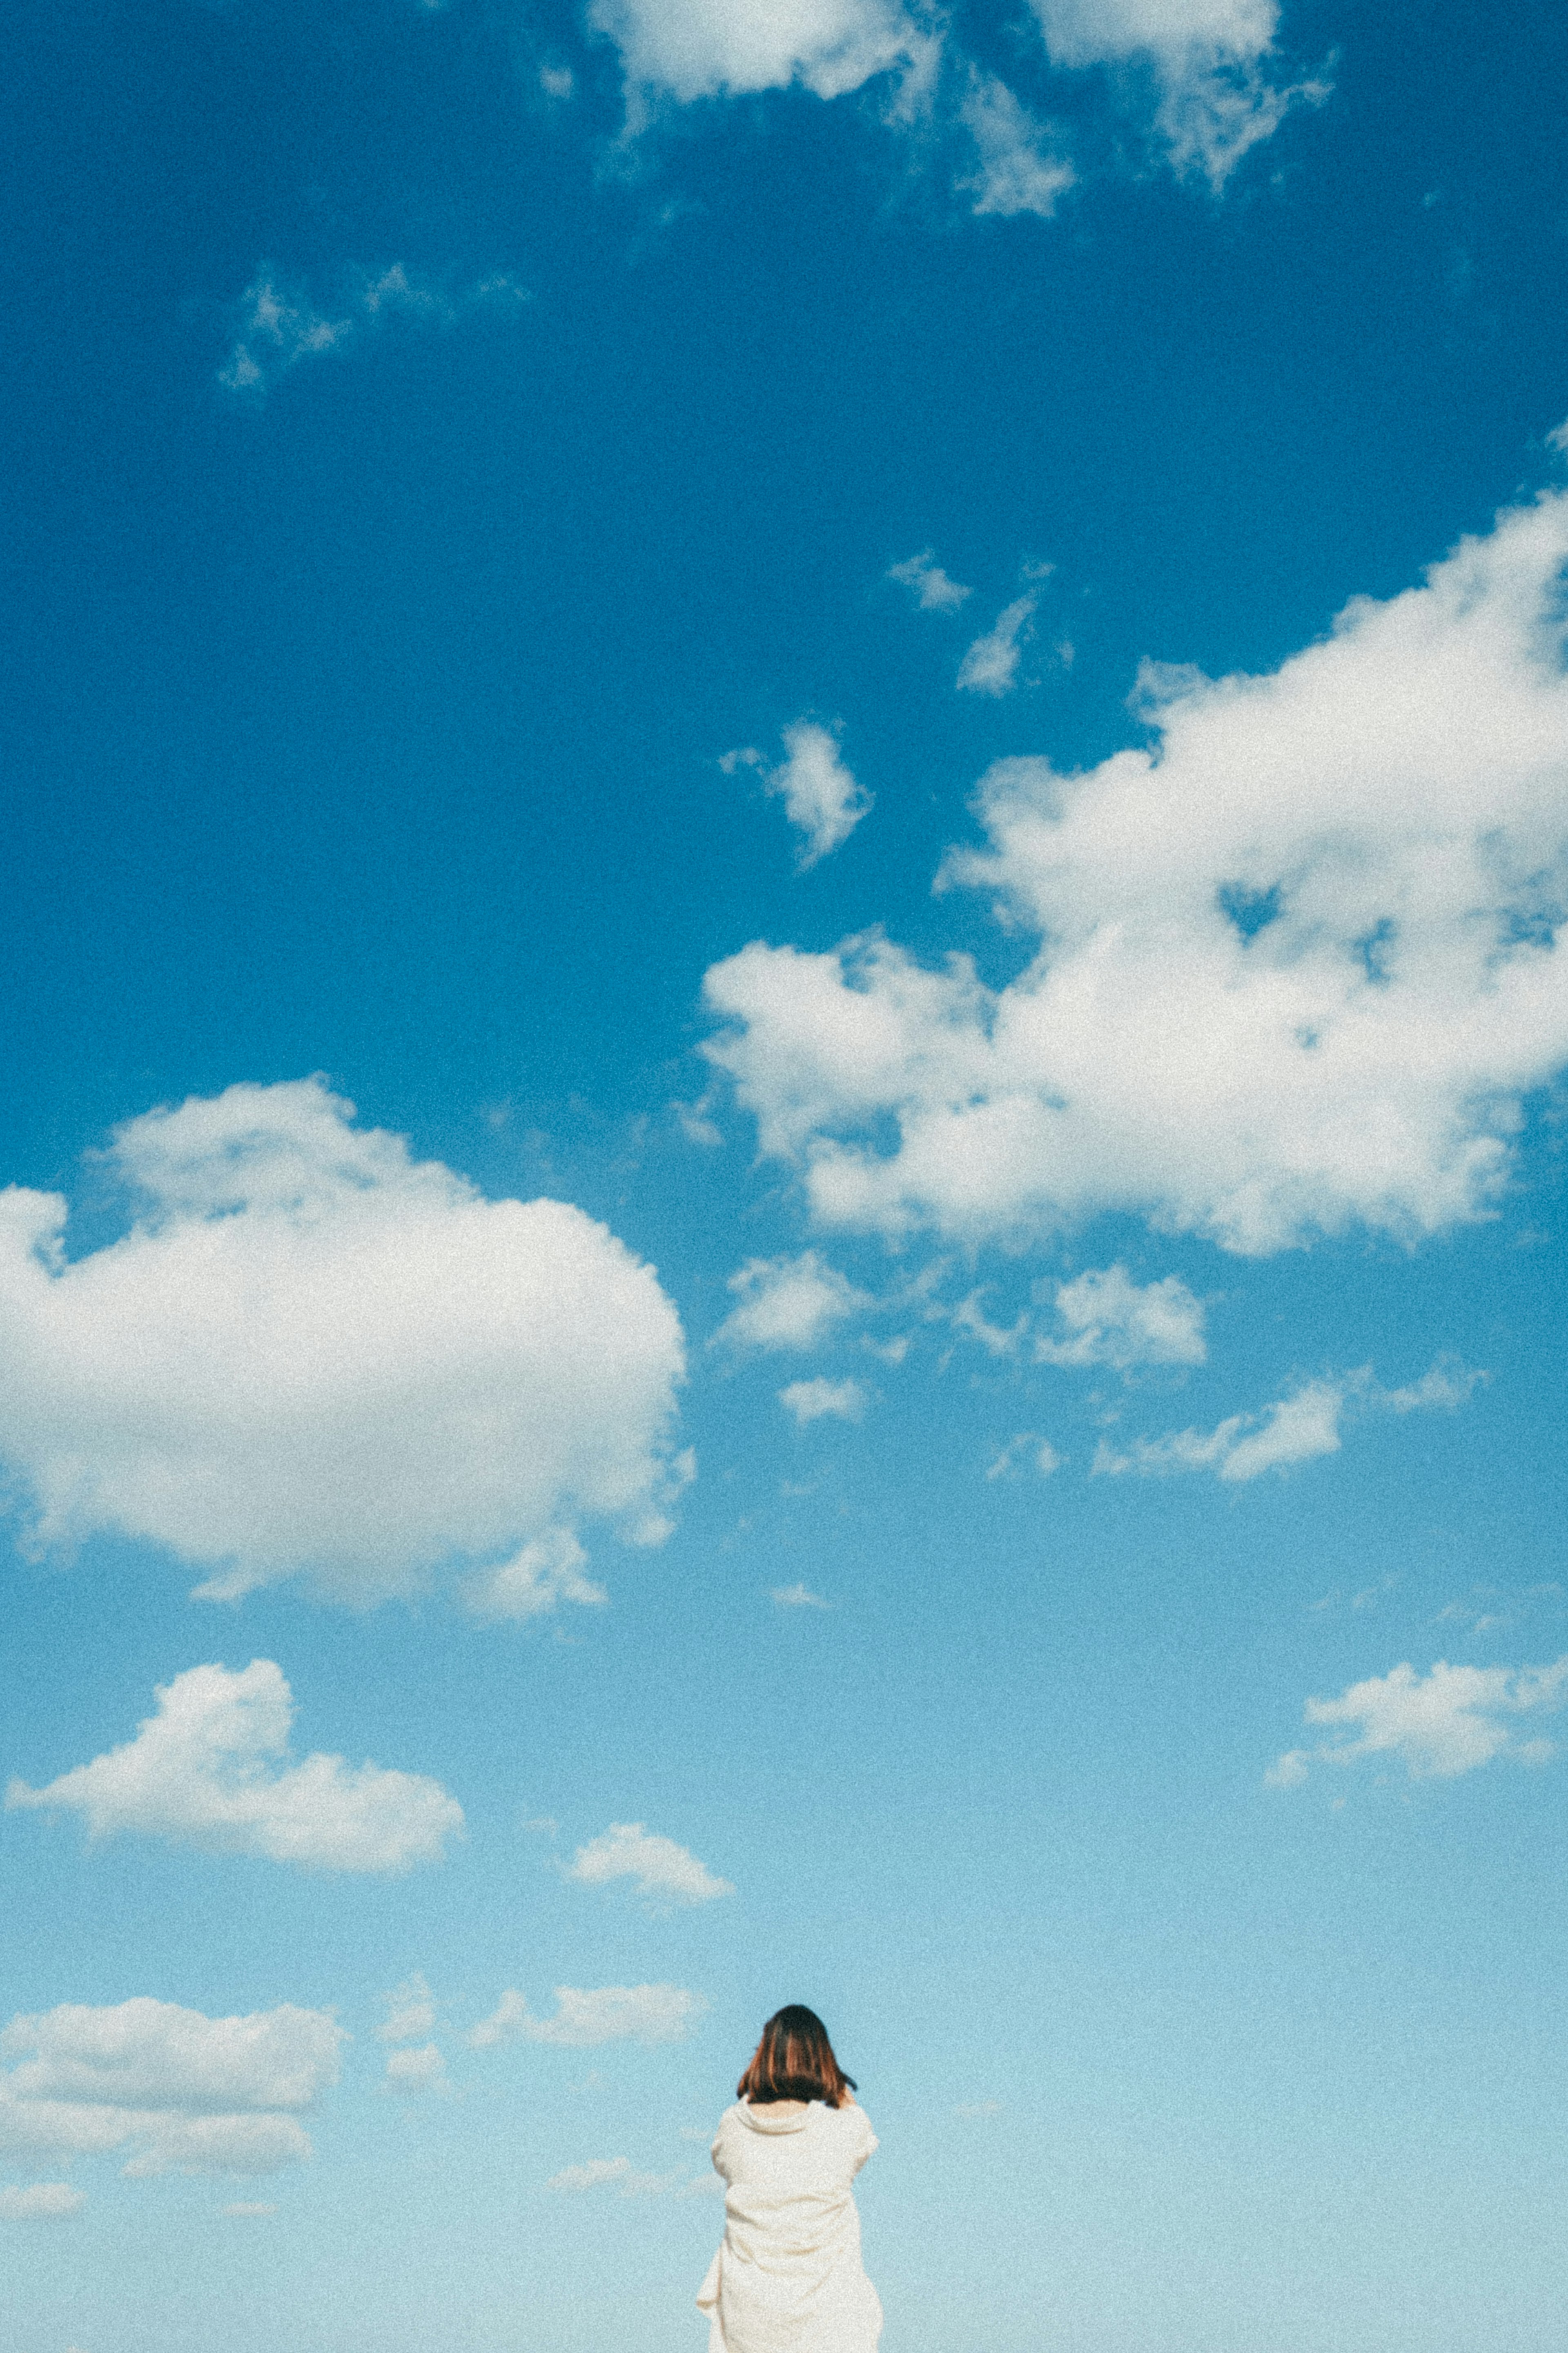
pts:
pixel 619 2174
pixel 1295 1428
pixel 787 1303
pixel 586 2017
pixel 207 1769
pixel 991 665
pixel 822 800
pixel 314 1356
pixel 927 584
pixel 822 1400
pixel 1437 1726
pixel 279 326
pixel 1298 963
pixel 662 1870
pixel 181 2092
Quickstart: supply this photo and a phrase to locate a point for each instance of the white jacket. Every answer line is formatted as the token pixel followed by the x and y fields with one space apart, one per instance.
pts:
pixel 788 2277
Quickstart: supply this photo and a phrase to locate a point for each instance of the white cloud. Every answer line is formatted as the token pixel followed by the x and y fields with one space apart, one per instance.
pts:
pixel 822 1400
pixel 1208 59
pixel 787 1303
pixel 618 2173
pixel 278 327
pixel 1110 1320
pixel 929 585
pixel 410 2011
pixel 991 665
pixel 206 1770
pixel 40 2201
pixel 1293 1430
pixel 314 1355
pixel 660 1868
pixel 1297 966
pixel 416 2071
pixel 536 1580
pixel 798 1597
pixel 821 797
pixel 1446 1384
pixel 1019 168
pixel 182 2092
pixel 585 2017
pixel 1028 1444
pixel 703 48
pixel 1453 1720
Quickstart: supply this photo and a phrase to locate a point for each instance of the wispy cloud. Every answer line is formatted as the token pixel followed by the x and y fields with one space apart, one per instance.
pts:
pixel 1021 166
pixel 787 1303
pixel 929 585
pixel 585 2017
pixel 280 326
pixel 1295 1428
pixel 799 1597
pixel 821 1400
pixel 619 2174
pixel 822 800
pixel 991 665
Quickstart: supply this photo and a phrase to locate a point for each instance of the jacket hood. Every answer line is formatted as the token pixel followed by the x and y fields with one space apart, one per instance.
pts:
pixel 769 2119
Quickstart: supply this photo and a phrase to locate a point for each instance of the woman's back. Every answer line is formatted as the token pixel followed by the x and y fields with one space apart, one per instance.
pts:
pixel 788 2278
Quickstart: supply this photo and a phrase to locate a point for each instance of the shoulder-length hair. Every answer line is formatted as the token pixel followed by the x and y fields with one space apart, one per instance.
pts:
pixel 795 2061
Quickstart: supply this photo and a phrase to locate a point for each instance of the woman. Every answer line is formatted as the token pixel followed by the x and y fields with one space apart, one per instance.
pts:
pixel 788 2278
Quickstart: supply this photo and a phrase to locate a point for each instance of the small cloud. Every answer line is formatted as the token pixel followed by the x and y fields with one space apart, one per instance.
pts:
pixel 823 1399
pixel 414 2072
pixel 410 2011
pixel 557 82
pixel 1446 1385
pixel 1295 1430
pixel 1027 1447
pixel 991 665
pixel 976 2109
pixel 247 2209
pixel 619 2174
pixel 660 1868
pixel 821 797
pixel 695 1125
pixel 535 1582
pixel 41 2201
pixel 1448 1722
pixel 969 1318
pixel 585 2018
pixel 798 1597
pixel 279 328
pixel 929 585
pixel 787 1303
pixel 1107 1319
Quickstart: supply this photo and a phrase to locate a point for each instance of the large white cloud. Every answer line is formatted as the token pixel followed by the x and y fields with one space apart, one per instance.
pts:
pixel 1437 1725
pixel 1299 962
pixel 206 1770
pixel 182 2092
pixel 313 1355
pixel 701 49
pixel 662 1870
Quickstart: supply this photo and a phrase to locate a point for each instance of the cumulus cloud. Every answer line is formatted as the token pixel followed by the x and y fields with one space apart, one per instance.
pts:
pixel 416 2071
pixel 1019 168
pixel 314 1355
pixel 787 1303
pixel 182 2092
pixel 206 1770
pixel 1293 1430
pixel 279 326
pixel 1107 1319
pixel 927 584
pixel 40 2201
pixel 410 2011
pixel 1448 1722
pixel 1209 60
pixel 821 1401
pixel 991 665
pixel 661 1869
pixel 688 50
pixel 585 2017
pixel 1299 964
pixel 821 797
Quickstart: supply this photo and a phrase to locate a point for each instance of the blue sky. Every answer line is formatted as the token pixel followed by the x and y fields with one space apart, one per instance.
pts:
pixel 789 786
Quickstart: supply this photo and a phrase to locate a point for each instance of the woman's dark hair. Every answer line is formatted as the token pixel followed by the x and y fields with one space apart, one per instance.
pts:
pixel 795 2061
